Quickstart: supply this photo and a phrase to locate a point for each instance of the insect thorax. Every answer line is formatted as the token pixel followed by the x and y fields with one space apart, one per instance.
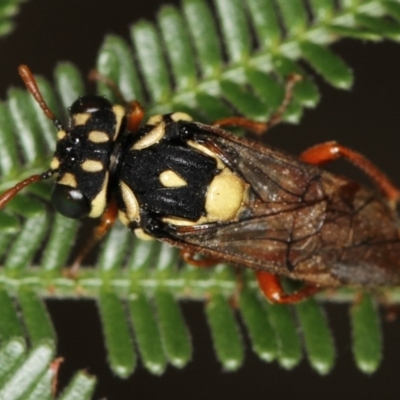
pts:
pixel 166 177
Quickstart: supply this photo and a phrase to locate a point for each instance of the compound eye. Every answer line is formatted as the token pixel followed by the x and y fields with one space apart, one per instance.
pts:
pixel 70 202
pixel 89 104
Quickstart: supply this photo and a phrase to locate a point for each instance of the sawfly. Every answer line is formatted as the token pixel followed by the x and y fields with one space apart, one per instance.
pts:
pixel 231 199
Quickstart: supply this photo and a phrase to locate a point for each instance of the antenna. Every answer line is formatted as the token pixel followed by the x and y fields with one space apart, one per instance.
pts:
pixel 32 87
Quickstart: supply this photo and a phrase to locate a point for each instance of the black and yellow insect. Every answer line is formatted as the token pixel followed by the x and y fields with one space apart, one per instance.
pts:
pixel 206 191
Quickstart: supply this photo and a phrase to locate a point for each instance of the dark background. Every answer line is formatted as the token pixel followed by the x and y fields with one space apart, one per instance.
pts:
pixel 365 118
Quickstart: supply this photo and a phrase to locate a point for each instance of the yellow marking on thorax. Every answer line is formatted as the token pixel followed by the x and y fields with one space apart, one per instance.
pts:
pixel 92 166
pixel 225 196
pixel 171 179
pixel 98 137
pixel 141 234
pixel 68 179
pixel 119 112
pixel 205 150
pixel 123 218
pixel 181 116
pixel 155 119
pixel 80 118
pixel 184 222
pixel 150 138
pixel 130 202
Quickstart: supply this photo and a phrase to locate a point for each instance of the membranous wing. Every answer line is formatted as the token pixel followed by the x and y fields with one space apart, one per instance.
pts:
pixel 298 220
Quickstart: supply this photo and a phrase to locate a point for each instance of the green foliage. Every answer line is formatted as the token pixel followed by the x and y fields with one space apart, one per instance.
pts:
pixel 32 373
pixel 179 63
pixel 8 9
pixel 367 341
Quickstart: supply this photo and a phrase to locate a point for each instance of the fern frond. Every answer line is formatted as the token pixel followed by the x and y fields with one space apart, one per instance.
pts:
pixel 235 62
pixel 33 374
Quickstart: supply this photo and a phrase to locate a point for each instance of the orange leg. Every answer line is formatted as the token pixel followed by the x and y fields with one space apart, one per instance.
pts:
pixel 259 128
pixel 134 116
pixel 189 257
pixel 272 289
pixel 329 151
pixel 106 222
pixel 208 262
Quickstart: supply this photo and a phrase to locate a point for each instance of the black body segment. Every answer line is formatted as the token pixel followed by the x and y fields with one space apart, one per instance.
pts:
pixel 141 170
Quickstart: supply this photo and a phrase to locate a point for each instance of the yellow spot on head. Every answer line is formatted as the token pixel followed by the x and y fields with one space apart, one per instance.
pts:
pixel 150 138
pixel 55 163
pixel 80 118
pixel 68 179
pixel 130 201
pixel 92 166
pixel 98 137
pixel 61 135
pixel 180 116
pixel 171 179
pixel 99 203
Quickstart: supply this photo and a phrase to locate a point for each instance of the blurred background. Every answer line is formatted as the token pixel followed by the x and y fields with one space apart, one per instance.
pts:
pixel 365 118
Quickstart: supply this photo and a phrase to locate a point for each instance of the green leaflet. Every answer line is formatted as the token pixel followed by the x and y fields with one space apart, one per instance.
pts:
pixel 8 9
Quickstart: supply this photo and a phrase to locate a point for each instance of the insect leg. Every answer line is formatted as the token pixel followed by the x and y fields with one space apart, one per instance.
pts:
pixel 272 289
pixel 134 116
pixel 259 128
pixel 329 151
pixel 107 221
pixel 189 257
